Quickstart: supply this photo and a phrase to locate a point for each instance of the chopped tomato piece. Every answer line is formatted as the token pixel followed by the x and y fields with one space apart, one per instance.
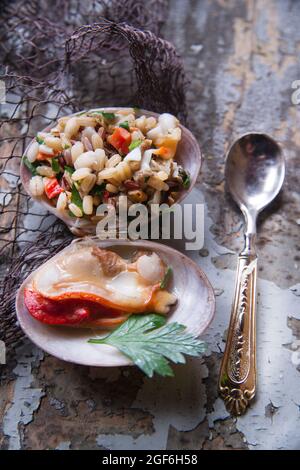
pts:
pixel 69 311
pixel 120 139
pixel 52 188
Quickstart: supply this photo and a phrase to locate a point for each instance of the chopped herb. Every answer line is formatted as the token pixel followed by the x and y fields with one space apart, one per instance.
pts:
pixel 166 277
pixel 69 169
pixel 125 125
pixel 55 165
pixel 67 146
pixel 151 343
pixel 134 144
pixel 75 197
pixel 30 165
pixel 98 190
pixel 186 180
pixel 107 116
pixel 39 140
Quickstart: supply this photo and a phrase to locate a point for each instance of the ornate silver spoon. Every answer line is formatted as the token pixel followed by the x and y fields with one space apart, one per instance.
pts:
pixel 254 174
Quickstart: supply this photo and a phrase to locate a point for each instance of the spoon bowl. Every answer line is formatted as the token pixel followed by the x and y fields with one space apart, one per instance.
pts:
pixel 254 171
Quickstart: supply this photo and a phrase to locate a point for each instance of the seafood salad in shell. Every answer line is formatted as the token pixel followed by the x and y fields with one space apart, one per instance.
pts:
pixel 101 156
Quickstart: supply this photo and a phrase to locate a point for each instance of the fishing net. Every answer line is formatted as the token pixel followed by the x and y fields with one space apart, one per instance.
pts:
pixel 60 57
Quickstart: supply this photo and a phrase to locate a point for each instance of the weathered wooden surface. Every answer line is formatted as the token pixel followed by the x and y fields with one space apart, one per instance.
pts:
pixel 242 57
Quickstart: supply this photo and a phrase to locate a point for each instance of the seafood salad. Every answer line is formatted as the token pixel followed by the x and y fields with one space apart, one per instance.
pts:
pixel 99 157
pixel 88 286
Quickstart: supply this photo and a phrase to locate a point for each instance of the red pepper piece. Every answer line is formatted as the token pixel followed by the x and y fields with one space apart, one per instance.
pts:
pixel 120 139
pixel 52 188
pixel 65 312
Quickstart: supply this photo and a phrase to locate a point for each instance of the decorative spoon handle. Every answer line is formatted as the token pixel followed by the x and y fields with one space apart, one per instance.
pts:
pixel 237 380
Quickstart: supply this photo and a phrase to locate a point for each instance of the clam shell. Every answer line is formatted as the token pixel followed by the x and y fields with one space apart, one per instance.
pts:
pixel 195 308
pixel 188 155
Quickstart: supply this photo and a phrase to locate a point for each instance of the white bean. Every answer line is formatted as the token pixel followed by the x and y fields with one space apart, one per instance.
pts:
pixel 97 141
pixel 61 202
pixel 102 158
pixel 107 173
pixel 113 161
pixel 46 150
pixel 75 210
pixel 53 142
pixel 88 132
pixel 36 186
pixel 87 160
pixel 88 183
pixel 87 205
pixel 87 143
pixel 86 121
pixel 111 188
pixel 76 150
pixel 33 151
pixel 80 174
pixel 44 170
pixel 72 127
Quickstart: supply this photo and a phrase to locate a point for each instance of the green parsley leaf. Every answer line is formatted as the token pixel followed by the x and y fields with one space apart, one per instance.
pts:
pixel 30 165
pixel 134 144
pixel 186 180
pixel 125 125
pixel 98 189
pixel 55 165
pixel 39 140
pixel 107 116
pixel 69 169
pixel 75 197
pixel 166 277
pixel 151 343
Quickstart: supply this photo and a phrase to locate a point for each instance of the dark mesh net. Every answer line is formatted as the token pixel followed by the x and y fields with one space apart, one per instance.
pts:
pixel 52 65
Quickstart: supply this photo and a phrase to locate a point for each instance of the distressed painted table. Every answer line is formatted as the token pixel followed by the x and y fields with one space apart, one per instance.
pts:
pixel 242 57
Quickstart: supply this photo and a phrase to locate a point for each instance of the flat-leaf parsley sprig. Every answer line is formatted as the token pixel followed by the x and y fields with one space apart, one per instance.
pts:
pixel 151 343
